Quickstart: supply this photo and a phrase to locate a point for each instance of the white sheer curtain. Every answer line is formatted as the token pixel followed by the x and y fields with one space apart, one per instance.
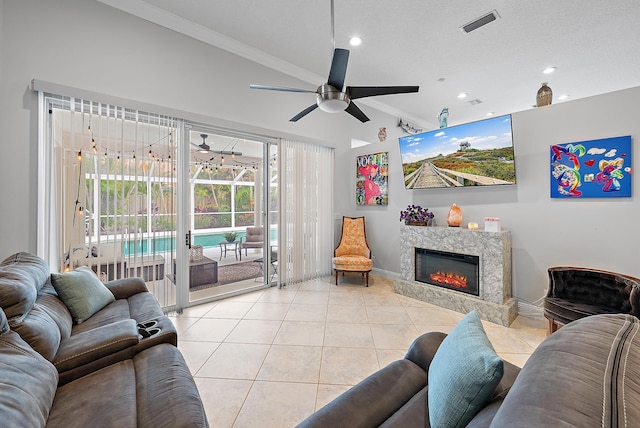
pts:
pixel 305 242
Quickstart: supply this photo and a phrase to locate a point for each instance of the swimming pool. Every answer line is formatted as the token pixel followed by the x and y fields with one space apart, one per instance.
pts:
pixel 160 244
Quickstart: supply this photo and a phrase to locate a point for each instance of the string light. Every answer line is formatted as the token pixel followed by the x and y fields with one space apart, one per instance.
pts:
pixel 80 155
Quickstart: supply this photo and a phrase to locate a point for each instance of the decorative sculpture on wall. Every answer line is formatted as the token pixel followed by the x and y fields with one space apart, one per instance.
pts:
pixel 442 117
pixel 382 134
pixel 408 128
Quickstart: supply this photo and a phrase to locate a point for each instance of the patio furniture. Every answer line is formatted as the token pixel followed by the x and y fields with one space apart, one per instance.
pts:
pixel 274 265
pixel 201 272
pixel 253 239
pixel 224 245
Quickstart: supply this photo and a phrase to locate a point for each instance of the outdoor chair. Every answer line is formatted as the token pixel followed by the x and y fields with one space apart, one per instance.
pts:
pixel 352 253
pixel 253 239
pixel 274 266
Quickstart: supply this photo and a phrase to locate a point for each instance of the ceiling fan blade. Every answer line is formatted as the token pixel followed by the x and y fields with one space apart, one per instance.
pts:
pixel 356 92
pixel 224 153
pixel 338 68
pixel 303 113
pixel 354 111
pixel 280 88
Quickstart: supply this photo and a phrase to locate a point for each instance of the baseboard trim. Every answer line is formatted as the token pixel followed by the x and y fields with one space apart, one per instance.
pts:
pixel 530 310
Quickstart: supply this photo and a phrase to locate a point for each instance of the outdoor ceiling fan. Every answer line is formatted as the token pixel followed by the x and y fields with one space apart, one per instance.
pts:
pixel 333 96
pixel 205 148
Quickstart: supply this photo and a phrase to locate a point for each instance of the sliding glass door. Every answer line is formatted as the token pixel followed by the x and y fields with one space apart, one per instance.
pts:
pixel 230 185
pixel 188 208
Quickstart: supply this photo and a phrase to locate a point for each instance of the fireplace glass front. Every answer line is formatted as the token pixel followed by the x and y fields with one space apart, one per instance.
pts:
pixel 459 272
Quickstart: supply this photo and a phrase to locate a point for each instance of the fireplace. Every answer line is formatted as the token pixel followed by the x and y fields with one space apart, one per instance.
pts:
pixel 445 269
pixel 489 276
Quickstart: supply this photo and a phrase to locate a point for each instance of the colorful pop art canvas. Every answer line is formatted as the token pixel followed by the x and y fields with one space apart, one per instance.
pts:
pixel 592 169
pixel 372 177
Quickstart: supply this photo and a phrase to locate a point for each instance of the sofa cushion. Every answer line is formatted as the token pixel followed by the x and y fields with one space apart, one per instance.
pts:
pixel 82 292
pixel 21 276
pixel 463 374
pixel 28 381
pixel 352 263
pixel 585 374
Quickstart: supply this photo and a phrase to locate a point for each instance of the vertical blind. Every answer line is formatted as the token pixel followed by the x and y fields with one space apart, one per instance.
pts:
pixel 115 191
pixel 306 211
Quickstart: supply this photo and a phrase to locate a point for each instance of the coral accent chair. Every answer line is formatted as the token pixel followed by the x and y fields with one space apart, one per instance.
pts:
pixel 352 253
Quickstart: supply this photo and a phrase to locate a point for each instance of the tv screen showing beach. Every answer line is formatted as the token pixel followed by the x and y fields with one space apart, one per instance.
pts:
pixel 473 154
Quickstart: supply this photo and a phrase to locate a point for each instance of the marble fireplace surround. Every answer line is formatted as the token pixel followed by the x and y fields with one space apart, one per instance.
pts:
pixel 494 303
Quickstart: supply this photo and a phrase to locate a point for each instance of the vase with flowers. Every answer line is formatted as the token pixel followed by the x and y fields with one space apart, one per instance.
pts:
pixel 415 215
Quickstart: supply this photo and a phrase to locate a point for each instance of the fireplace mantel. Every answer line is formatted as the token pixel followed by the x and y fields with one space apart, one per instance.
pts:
pixel 494 303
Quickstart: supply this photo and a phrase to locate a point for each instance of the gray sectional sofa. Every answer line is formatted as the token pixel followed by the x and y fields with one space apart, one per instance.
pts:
pixel 585 374
pixel 117 368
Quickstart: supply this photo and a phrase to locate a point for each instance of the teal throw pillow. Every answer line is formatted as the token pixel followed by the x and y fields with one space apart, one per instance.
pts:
pixel 463 374
pixel 82 292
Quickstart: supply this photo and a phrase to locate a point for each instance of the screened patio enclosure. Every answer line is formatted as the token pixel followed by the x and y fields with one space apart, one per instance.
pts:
pixel 114 196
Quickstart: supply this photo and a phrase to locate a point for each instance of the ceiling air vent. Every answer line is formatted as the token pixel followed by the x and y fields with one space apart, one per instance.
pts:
pixel 475 102
pixel 480 22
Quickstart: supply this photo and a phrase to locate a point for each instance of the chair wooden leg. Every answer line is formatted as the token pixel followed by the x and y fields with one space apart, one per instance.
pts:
pixel 366 275
pixel 336 277
pixel 553 326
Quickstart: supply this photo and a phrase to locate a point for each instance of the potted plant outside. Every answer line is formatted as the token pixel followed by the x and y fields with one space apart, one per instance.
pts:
pixel 230 236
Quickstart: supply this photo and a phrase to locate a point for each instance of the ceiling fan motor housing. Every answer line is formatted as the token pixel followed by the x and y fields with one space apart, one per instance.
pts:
pixel 331 100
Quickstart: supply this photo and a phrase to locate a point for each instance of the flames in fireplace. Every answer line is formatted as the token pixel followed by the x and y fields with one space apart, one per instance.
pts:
pixel 449 279
pixel 455 271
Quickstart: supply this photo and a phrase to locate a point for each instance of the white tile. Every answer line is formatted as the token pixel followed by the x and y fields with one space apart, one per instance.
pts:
pixel 235 361
pixel 286 363
pixel 305 312
pixel 348 335
pixel 268 311
pixel 254 331
pixel 311 297
pixel 347 366
pixel 209 329
pixel 277 405
pixel 224 309
pixel 196 353
pixel 222 399
pixel 300 333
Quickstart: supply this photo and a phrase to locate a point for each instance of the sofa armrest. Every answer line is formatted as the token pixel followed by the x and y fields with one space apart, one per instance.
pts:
pixel 372 401
pixel 423 349
pixel 126 287
pixel 91 345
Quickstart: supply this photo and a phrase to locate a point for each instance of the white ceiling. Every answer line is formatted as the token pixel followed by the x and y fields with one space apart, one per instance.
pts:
pixel 595 46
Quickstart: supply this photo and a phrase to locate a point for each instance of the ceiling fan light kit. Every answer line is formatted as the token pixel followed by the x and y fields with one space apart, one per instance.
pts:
pixel 333 96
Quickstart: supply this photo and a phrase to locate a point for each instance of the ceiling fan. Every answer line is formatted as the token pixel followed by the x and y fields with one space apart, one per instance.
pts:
pixel 205 148
pixel 333 96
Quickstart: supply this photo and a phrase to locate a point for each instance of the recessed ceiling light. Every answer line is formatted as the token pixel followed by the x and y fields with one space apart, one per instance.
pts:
pixel 549 70
pixel 563 97
pixel 462 95
pixel 355 41
pixel 489 114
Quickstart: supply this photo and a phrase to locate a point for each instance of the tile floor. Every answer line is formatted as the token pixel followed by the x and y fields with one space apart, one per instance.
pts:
pixel 272 357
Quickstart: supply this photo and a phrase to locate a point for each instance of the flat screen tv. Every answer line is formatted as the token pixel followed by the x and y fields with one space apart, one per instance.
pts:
pixel 473 154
